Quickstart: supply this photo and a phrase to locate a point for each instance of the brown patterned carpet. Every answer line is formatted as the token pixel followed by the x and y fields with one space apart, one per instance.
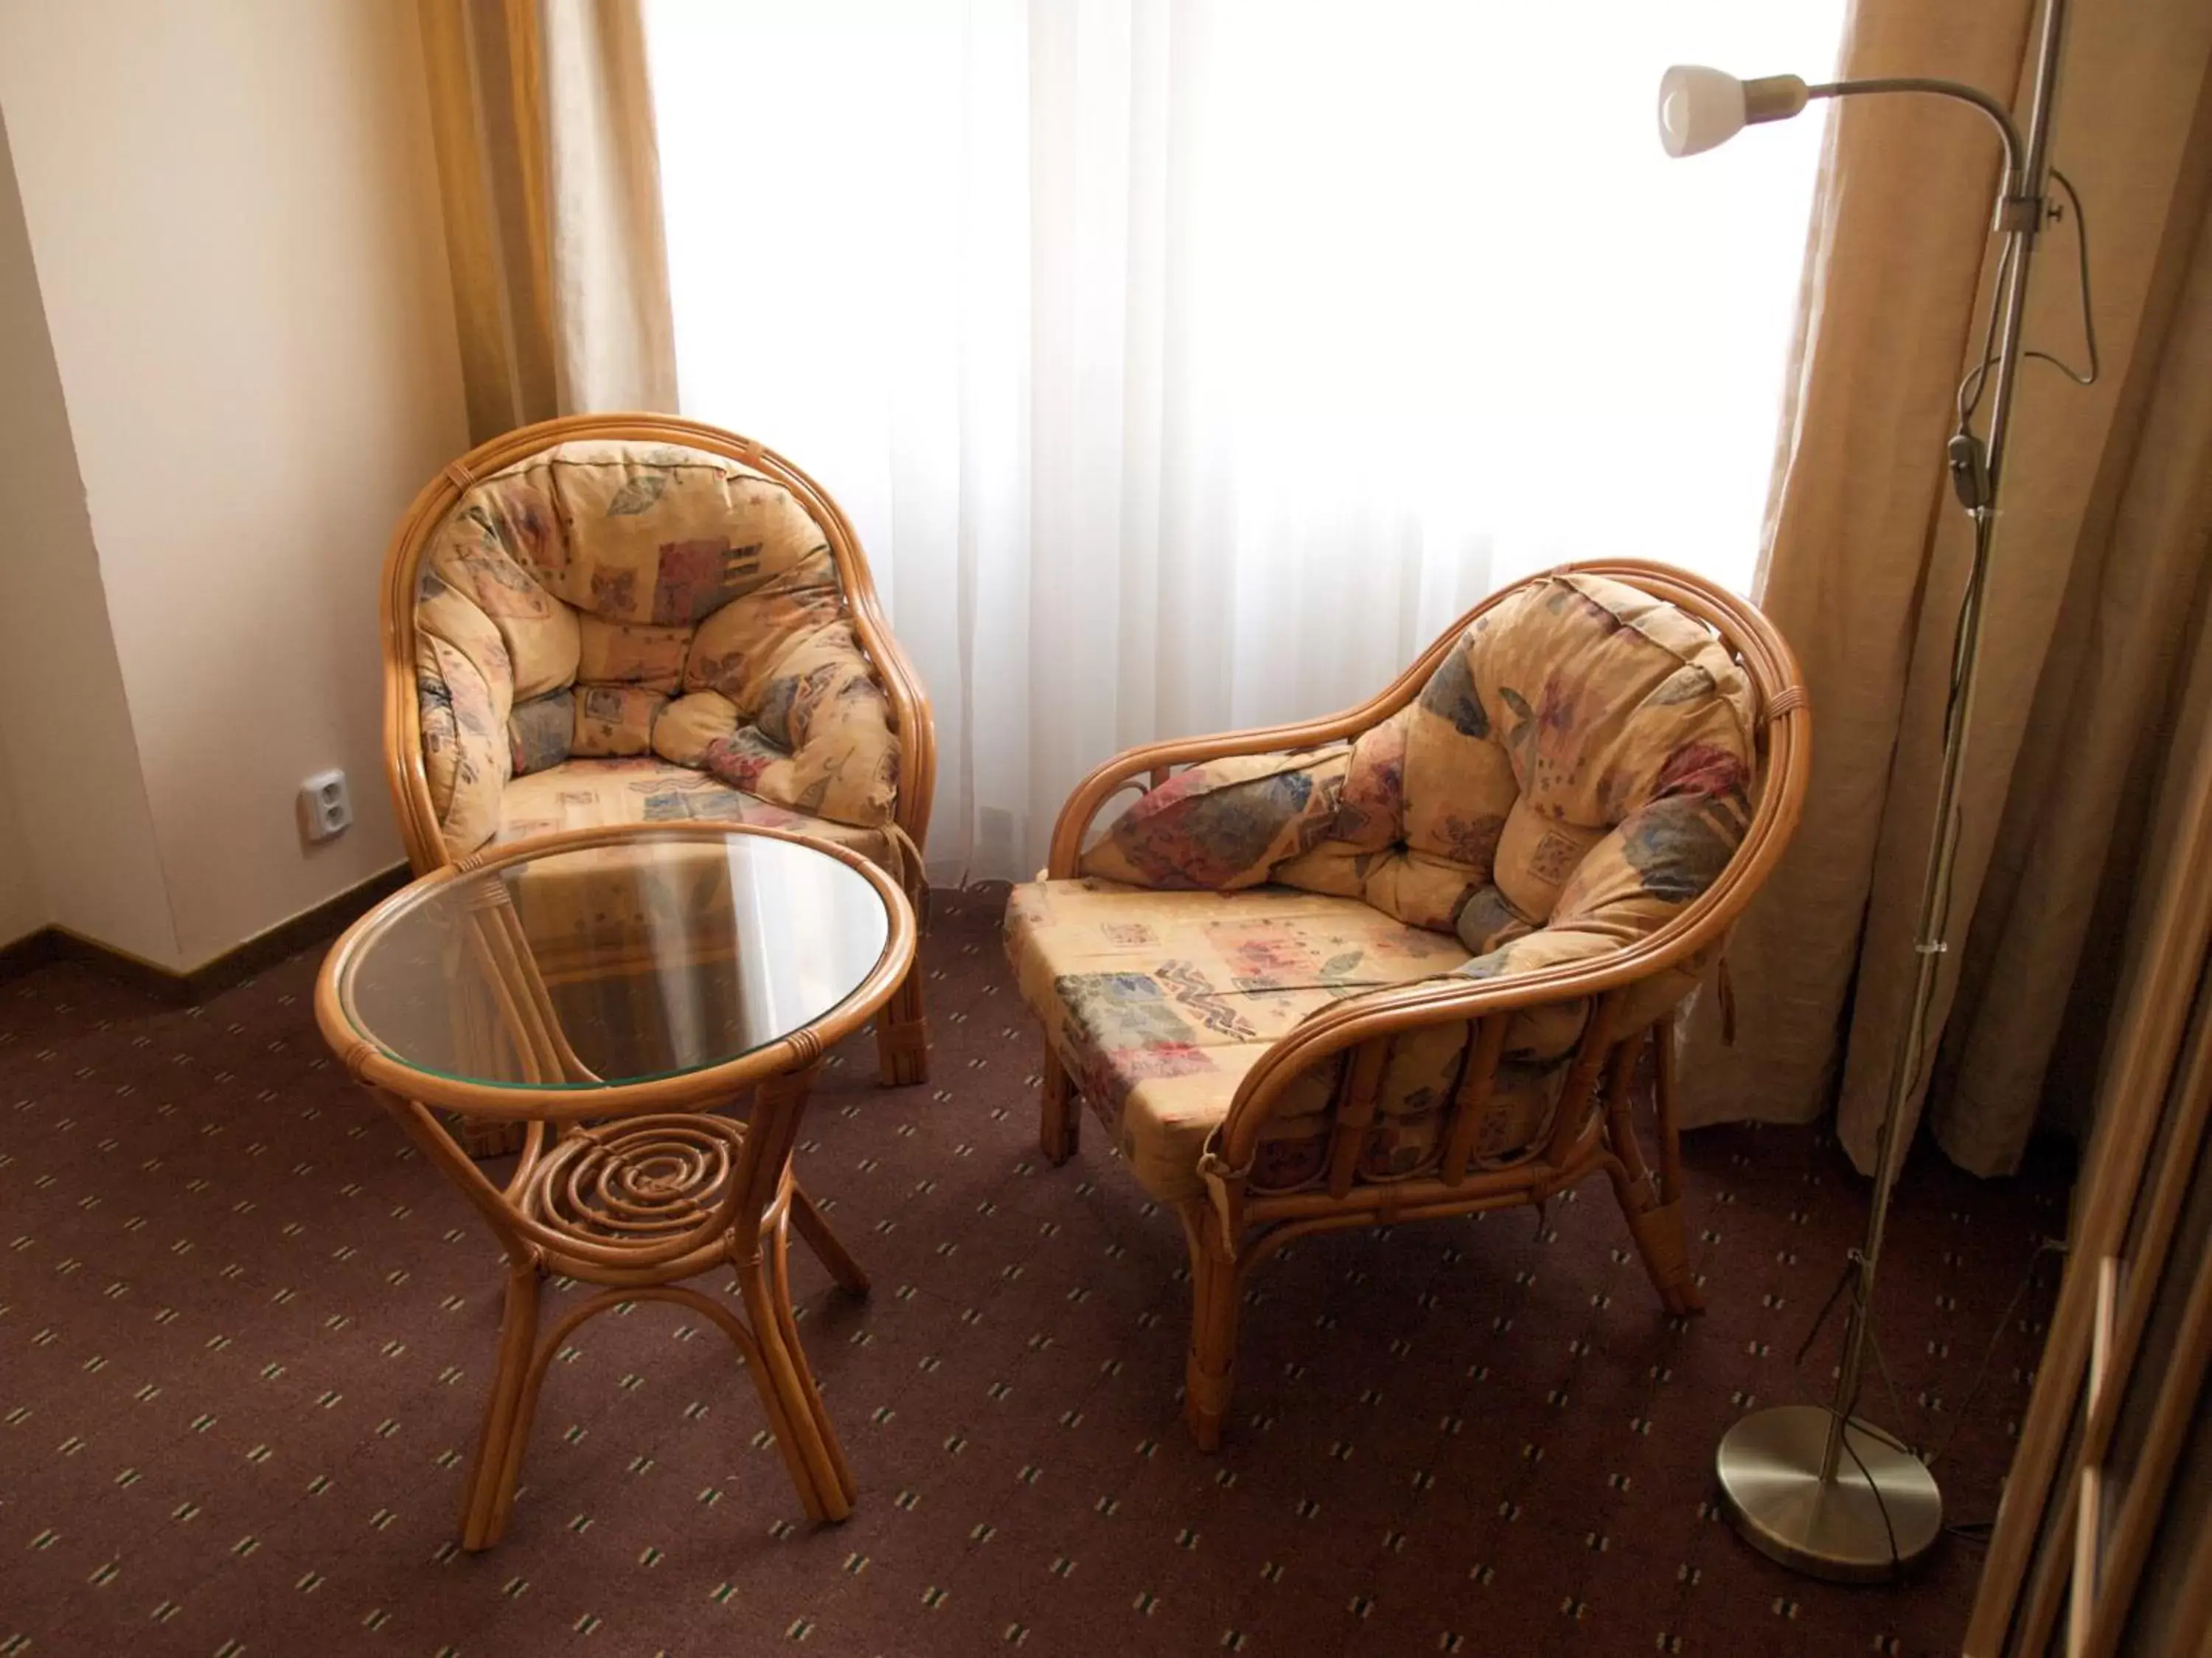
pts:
pixel 244 1331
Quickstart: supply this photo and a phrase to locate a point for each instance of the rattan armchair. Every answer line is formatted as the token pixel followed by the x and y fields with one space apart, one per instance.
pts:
pixel 1259 974
pixel 632 618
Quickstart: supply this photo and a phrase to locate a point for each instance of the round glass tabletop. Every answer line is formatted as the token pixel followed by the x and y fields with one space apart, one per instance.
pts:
pixel 662 953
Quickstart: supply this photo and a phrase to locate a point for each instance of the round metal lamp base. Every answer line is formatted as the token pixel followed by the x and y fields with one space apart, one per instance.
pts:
pixel 1860 1527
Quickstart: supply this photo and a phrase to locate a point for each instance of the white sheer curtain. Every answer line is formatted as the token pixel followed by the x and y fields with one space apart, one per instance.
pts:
pixel 1187 364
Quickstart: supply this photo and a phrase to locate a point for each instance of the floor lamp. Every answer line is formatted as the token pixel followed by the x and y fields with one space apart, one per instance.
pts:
pixel 1815 1486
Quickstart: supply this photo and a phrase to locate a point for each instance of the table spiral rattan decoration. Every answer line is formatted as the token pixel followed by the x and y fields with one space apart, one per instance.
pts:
pixel 635 1185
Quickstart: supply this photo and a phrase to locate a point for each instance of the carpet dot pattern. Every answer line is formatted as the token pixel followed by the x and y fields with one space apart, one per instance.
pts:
pixel 245 1332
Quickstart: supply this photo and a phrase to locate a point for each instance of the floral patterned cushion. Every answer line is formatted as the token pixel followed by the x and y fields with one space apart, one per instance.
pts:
pixel 614 599
pixel 1158 1002
pixel 587 794
pixel 1576 771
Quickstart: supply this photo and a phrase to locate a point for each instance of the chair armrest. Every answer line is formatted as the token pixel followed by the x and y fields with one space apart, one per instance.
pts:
pixel 1153 760
pixel 914 722
pixel 1377 1015
pixel 1148 767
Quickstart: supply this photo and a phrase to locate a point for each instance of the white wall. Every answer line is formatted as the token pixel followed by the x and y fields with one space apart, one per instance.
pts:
pixel 84 853
pixel 232 211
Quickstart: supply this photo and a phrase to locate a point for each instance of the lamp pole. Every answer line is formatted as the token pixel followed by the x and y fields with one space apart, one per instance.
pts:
pixel 1815 1486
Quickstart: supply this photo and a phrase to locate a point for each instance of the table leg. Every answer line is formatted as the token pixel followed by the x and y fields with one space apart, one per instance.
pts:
pixel 814 1226
pixel 488 1495
pixel 788 1390
pixel 779 1268
pixel 758 1252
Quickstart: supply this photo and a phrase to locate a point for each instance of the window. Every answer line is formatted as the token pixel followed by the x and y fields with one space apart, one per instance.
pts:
pixel 1190 364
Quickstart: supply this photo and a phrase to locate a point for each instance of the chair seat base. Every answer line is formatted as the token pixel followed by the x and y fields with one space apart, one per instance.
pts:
pixel 1227 1241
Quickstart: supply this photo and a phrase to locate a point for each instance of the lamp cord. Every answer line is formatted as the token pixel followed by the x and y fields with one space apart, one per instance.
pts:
pixel 1896 1560
pixel 2043 1247
pixel 2048 1246
pixel 1970 389
pixel 2081 265
pixel 1973 1531
pixel 1821 1317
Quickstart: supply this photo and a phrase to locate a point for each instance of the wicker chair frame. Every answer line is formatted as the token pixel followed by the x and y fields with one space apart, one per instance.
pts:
pixel 901 1029
pixel 1232 1229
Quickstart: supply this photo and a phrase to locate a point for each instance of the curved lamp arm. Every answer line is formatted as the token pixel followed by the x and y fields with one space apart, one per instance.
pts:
pixel 1700 107
pixel 2015 154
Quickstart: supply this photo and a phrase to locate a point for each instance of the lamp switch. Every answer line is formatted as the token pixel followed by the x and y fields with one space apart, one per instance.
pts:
pixel 1970 471
pixel 325 807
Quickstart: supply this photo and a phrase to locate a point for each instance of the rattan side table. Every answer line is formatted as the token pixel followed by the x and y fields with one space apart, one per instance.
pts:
pixel 615 989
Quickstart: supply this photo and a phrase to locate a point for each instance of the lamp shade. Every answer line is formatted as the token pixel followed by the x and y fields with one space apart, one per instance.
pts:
pixel 1698 108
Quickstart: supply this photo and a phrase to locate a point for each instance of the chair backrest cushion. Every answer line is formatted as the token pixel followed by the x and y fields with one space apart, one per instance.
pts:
pixel 611 598
pixel 1577 770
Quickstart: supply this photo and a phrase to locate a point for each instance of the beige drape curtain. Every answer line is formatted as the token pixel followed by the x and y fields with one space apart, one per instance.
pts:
pixel 550 174
pixel 2140 1436
pixel 2098 562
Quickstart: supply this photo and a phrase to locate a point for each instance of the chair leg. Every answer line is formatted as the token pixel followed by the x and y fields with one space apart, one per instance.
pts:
pixel 1060 1121
pixel 814 1226
pixel 1663 1244
pixel 1652 1200
pixel 1210 1372
pixel 902 1034
pixel 490 1493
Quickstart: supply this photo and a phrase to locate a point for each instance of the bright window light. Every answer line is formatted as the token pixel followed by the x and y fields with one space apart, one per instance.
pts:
pixel 1323 320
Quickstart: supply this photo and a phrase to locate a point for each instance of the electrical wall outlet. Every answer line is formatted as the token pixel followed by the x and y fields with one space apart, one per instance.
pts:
pixel 325 807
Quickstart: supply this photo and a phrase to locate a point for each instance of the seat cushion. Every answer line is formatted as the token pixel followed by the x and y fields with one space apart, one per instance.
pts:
pixel 587 794
pixel 1158 1002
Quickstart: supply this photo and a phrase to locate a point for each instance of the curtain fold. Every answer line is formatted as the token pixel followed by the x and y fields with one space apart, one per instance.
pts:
pixel 549 168
pixel 1866 557
pixel 2144 1207
pixel 2111 699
